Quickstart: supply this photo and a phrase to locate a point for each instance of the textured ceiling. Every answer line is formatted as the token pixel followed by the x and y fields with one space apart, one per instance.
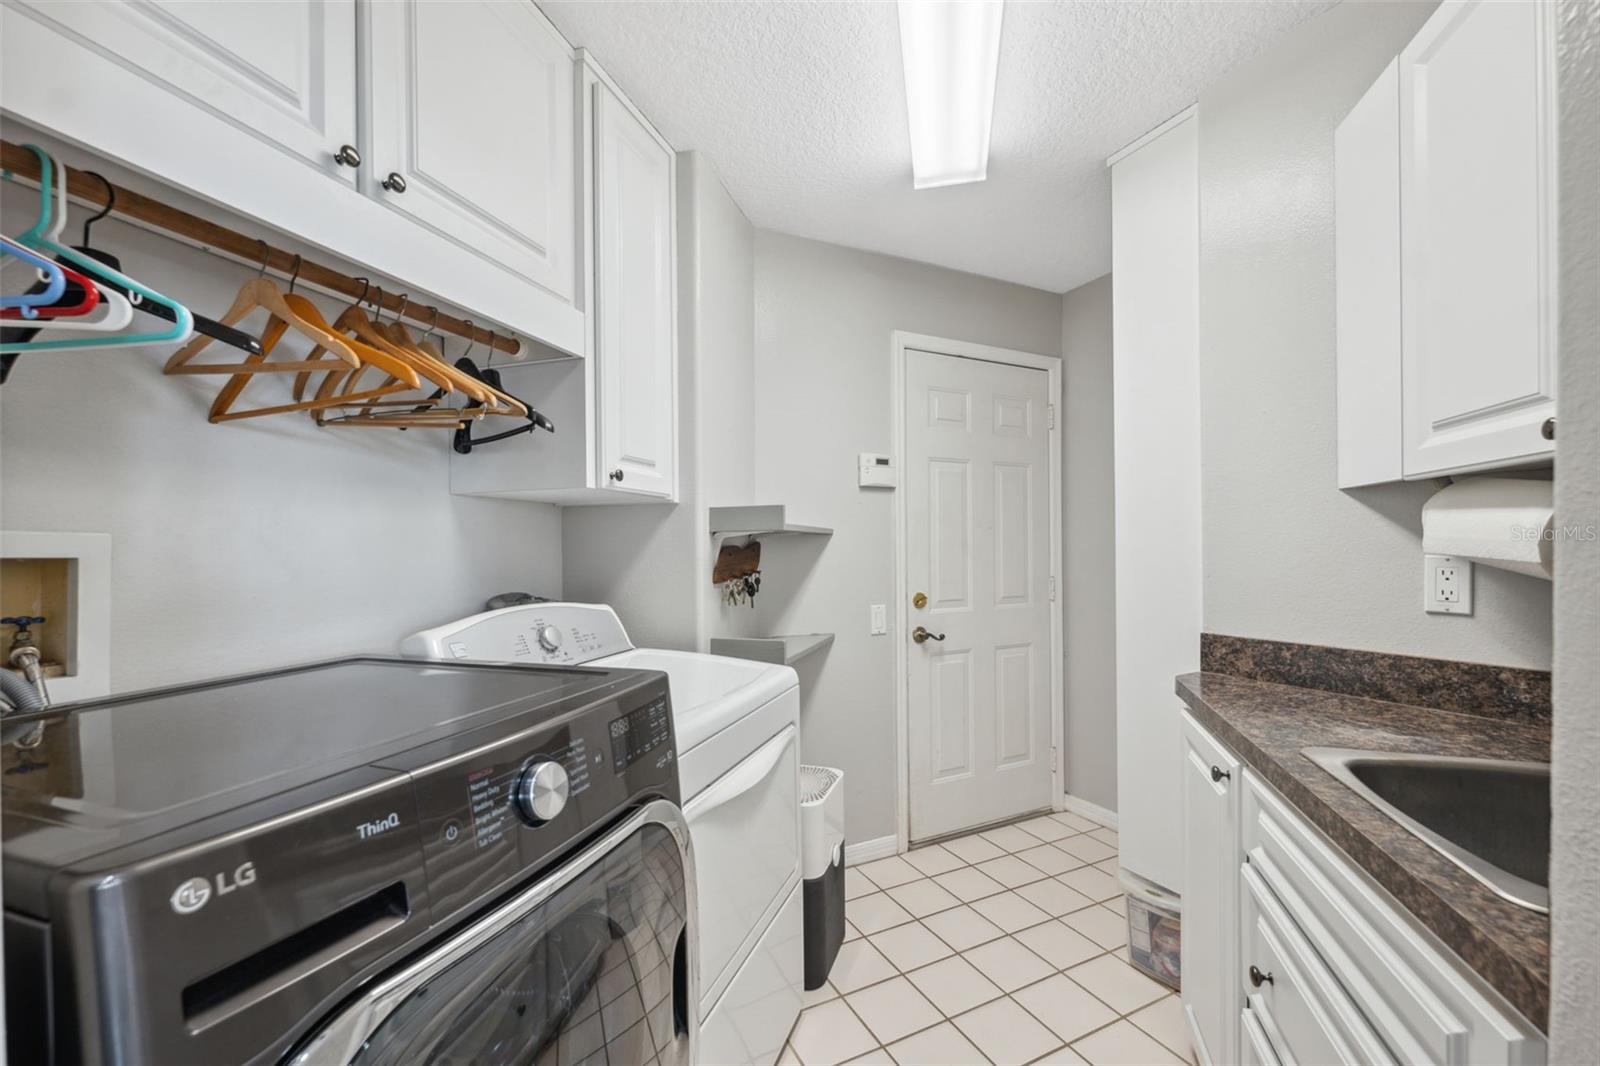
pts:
pixel 801 107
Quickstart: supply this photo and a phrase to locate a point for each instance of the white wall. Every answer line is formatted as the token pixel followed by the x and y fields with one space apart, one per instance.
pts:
pixel 253 544
pixel 1089 533
pixel 824 316
pixel 653 561
pixel 1575 858
pixel 1287 555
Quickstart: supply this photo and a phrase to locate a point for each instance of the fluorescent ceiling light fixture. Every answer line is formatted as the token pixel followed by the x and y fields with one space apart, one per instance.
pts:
pixel 951 52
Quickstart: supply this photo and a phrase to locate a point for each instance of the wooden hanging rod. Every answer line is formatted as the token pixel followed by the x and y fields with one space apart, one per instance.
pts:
pixel 154 213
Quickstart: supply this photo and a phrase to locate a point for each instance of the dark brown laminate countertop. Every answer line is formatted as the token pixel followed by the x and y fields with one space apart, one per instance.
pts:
pixel 1267 725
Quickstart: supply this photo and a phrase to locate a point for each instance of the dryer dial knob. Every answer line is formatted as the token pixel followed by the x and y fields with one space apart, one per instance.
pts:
pixel 542 791
pixel 549 638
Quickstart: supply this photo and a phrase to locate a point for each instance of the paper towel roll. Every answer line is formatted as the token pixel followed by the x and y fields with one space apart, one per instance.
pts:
pixel 1497 521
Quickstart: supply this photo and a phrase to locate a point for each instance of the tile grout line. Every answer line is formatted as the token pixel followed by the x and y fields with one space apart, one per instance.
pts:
pixel 920 920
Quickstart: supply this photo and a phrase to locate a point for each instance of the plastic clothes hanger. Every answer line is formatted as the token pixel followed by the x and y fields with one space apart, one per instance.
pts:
pixel 118 310
pixel 24 304
pixel 260 292
pixel 38 239
pixel 72 284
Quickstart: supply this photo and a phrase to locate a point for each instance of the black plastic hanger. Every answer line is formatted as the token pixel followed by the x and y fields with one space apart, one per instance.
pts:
pixel 464 440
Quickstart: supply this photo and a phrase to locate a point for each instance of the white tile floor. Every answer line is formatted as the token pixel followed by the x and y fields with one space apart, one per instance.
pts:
pixel 1005 946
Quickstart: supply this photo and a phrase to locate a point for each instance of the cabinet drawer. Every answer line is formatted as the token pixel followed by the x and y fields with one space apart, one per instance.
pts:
pixel 1418 1001
pixel 1306 1014
pixel 1257 1049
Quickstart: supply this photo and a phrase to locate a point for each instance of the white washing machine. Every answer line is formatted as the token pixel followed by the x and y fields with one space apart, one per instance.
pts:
pixel 738 732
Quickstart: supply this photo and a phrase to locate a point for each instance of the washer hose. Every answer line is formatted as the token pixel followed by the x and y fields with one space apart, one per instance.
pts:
pixel 22 698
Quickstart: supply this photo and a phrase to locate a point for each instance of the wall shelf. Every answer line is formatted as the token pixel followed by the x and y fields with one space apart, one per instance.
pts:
pixel 784 650
pixel 766 520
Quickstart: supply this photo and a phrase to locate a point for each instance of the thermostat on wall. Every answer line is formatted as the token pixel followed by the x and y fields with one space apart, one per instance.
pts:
pixel 877 471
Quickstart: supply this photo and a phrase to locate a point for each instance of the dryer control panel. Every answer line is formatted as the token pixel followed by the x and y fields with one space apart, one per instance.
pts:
pixel 549 634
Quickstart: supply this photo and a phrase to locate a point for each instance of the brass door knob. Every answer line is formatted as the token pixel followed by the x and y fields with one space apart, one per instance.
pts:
pixel 920 600
pixel 921 635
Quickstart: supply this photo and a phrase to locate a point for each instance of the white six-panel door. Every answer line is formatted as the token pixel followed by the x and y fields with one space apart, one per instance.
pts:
pixel 977 462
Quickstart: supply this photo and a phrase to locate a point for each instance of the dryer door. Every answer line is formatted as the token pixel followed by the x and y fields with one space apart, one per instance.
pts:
pixel 591 964
pixel 746 849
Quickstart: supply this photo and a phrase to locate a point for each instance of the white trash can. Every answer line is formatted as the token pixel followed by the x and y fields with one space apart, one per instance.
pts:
pixel 822 867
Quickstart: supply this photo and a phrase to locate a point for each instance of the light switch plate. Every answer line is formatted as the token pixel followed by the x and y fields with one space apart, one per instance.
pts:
pixel 1446 585
pixel 880 619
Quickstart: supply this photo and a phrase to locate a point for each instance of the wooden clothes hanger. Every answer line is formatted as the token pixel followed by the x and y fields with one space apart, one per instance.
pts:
pixel 261 293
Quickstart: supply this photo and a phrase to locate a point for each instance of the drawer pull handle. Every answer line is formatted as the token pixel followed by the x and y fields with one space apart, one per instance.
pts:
pixel 347 156
pixel 1218 773
pixel 1257 978
pixel 1548 429
pixel 394 183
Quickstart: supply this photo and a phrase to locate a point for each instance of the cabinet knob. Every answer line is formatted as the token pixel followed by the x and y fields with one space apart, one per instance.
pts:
pixel 1257 978
pixel 615 475
pixel 1548 430
pixel 394 183
pixel 1218 773
pixel 347 156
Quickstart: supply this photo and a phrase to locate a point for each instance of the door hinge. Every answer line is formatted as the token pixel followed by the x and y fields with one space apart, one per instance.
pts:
pixel 1050 416
pixel 1052 588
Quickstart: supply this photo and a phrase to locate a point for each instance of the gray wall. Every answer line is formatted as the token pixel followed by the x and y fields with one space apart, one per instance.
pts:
pixel 1575 858
pixel 1089 532
pixel 1287 555
pixel 653 561
pixel 824 316
pixel 254 544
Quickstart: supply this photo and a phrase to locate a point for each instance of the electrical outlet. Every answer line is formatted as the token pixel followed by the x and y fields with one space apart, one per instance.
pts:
pixel 1446 585
pixel 880 619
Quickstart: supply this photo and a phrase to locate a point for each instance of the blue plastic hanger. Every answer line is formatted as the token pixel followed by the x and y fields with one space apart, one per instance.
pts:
pixel 55 280
pixel 40 237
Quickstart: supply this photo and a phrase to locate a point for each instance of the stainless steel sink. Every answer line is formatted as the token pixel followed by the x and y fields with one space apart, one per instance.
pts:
pixel 1491 817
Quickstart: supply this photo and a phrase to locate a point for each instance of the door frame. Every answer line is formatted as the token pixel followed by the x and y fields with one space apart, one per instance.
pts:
pixel 902 341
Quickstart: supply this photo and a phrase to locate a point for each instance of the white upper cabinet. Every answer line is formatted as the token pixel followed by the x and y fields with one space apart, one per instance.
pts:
pixel 1444 180
pixel 1477 220
pixel 471 105
pixel 634 289
pixel 310 116
pixel 281 73
pixel 616 412
pixel 1366 234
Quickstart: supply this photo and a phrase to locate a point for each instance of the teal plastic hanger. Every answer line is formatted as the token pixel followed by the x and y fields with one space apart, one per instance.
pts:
pixel 40 238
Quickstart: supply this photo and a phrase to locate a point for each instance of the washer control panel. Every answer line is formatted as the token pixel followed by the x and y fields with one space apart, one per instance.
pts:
pixel 497 803
pixel 550 634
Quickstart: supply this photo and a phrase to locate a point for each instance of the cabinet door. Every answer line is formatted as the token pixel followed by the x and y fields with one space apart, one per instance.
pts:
pixel 1210 893
pixel 635 342
pixel 471 106
pixel 1477 214
pixel 280 73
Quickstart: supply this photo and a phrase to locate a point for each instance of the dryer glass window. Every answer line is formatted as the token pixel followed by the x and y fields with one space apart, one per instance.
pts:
pixel 595 975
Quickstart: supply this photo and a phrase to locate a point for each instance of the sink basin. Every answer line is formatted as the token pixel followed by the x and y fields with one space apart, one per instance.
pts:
pixel 1491 817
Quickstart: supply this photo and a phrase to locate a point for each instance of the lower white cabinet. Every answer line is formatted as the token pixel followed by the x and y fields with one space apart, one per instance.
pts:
pixel 1210 871
pixel 1293 955
pixel 616 412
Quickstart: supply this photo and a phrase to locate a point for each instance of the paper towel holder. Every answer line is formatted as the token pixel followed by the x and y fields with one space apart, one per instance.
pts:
pixel 1501 522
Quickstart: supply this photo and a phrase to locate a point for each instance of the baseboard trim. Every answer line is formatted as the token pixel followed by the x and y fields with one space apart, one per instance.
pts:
pixel 1092 811
pixel 867 850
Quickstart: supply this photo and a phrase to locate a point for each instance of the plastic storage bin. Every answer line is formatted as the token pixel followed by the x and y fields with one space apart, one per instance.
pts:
pixel 1154 929
pixel 822 867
